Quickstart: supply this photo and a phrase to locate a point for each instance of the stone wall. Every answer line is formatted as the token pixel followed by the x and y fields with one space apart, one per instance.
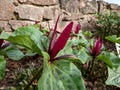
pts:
pixel 15 13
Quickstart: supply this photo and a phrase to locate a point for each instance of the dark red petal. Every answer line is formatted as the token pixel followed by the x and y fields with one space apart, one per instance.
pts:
pixel 53 39
pixel 62 40
pixel 1 42
pixel 78 27
pixel 97 47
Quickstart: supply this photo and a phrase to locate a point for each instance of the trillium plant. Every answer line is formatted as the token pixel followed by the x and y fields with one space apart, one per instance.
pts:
pixel 63 54
pixel 58 70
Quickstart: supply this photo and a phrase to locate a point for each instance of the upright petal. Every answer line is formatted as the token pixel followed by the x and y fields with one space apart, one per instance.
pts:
pixel 62 40
pixel 1 40
pixel 53 39
pixel 97 47
pixel 78 27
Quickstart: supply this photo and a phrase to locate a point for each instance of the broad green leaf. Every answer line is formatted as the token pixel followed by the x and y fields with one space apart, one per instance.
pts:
pixel 2 67
pixel 25 41
pixel 30 53
pixel 28 30
pixel 4 35
pixel 113 77
pixel 82 55
pixel 114 73
pixel 34 32
pixel 114 39
pixel 36 35
pixel 60 75
pixel 67 49
pixel 106 58
pixel 88 33
pixel 75 41
pixel 14 53
pixel 82 39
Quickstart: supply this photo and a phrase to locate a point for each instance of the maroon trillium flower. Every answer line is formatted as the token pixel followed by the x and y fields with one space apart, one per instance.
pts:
pixel 96 48
pixel 58 44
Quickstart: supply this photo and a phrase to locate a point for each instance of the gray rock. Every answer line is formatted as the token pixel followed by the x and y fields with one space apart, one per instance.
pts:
pixel 19 23
pixel 114 7
pixel 72 6
pixel 44 2
pixel 6 9
pixel 91 8
pixel 5 26
pixel 102 6
pixel 48 12
pixel 30 12
pixel 23 1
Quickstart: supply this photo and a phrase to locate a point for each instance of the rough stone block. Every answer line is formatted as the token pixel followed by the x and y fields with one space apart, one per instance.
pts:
pixel 72 6
pixel 74 16
pixel 44 2
pixel 102 6
pixel 91 7
pixel 5 26
pixel 23 1
pixel 30 12
pixel 48 13
pixel 19 23
pixel 6 9
pixel 114 6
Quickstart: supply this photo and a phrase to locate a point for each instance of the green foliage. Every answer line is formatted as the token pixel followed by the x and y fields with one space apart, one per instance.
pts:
pixel 35 34
pixel 113 77
pixel 14 53
pixel 114 73
pixel 60 75
pixel 2 67
pixel 113 39
pixel 109 24
pixel 106 58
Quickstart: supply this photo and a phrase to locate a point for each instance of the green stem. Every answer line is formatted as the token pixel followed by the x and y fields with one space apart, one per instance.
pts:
pixel 34 77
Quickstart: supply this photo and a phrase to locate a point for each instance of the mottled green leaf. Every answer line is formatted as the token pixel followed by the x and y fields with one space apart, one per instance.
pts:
pixel 25 41
pixel 14 53
pixel 35 34
pixel 67 49
pixel 2 67
pixel 60 75
pixel 113 77
pixel 114 39
pixel 106 58
pixel 114 73
pixel 83 55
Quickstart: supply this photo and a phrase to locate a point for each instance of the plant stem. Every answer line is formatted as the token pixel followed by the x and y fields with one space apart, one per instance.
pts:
pixel 87 70
pixel 92 64
pixel 34 77
pixel 90 67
